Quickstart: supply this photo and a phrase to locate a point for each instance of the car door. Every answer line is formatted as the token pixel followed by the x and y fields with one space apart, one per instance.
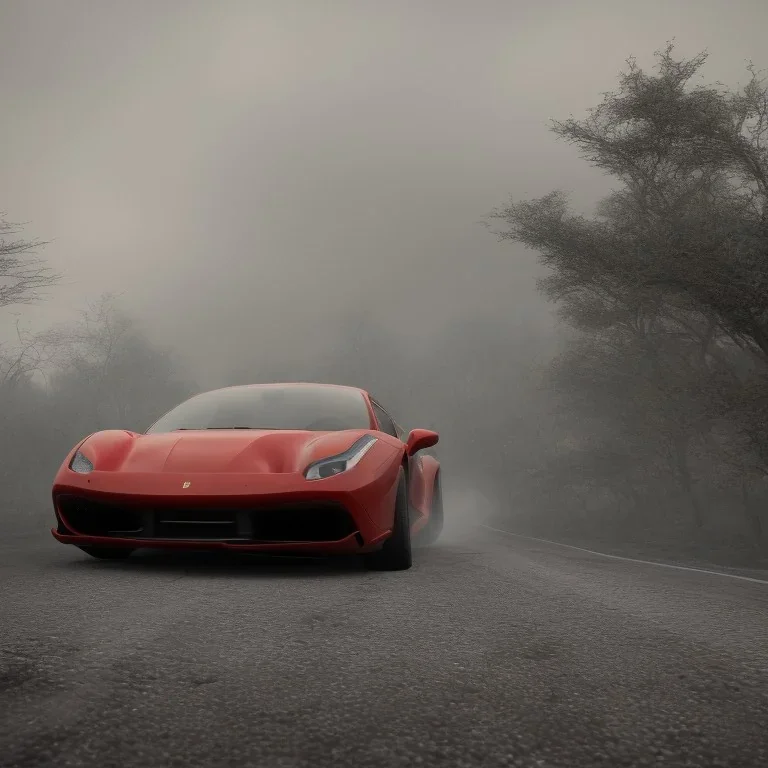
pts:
pixel 416 481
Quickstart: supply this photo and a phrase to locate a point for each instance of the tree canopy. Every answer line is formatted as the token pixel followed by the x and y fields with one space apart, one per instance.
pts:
pixel 667 284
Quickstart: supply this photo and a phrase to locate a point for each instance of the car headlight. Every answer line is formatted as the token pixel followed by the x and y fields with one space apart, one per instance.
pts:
pixel 81 464
pixel 335 465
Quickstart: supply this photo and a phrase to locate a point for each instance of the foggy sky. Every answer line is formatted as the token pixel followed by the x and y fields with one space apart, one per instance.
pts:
pixel 244 172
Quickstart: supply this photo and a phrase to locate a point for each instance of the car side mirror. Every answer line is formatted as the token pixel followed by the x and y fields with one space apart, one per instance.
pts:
pixel 419 439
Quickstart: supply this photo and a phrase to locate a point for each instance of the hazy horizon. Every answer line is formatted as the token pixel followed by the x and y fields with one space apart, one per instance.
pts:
pixel 253 168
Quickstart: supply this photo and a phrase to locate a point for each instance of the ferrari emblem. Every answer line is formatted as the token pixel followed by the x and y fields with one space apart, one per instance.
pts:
pixel 186 484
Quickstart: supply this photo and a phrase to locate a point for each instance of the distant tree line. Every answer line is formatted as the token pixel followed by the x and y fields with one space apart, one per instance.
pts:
pixel 61 384
pixel 662 390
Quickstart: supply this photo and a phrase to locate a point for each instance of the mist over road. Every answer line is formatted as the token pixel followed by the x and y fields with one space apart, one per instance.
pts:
pixel 492 650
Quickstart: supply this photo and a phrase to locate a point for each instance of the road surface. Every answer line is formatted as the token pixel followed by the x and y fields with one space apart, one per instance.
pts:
pixel 492 651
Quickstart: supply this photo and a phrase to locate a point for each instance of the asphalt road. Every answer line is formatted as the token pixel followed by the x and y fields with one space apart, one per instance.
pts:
pixel 491 651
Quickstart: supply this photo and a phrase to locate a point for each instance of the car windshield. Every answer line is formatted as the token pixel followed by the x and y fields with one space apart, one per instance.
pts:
pixel 270 407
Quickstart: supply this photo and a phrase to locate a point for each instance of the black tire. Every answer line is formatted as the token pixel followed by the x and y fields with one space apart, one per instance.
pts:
pixel 431 532
pixel 107 553
pixel 395 555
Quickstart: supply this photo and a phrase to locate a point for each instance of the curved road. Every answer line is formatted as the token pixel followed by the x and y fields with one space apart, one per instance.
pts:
pixel 492 651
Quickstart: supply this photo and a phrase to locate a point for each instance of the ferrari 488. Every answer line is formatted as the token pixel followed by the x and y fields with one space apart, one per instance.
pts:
pixel 282 468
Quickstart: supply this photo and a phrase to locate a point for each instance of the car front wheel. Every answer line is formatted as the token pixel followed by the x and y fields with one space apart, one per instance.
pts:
pixel 395 555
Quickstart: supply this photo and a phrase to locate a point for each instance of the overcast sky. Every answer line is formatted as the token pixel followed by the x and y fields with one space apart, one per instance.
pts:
pixel 244 170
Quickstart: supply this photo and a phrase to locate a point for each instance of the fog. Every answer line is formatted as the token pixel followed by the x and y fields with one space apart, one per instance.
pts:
pixel 237 168
pixel 298 190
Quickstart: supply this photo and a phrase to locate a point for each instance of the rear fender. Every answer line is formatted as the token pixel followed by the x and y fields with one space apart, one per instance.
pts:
pixel 423 485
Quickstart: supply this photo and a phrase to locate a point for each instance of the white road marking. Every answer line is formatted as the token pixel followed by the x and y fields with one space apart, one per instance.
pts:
pixel 629 559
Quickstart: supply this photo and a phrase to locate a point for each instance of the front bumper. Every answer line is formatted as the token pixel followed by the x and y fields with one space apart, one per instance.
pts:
pixel 349 545
pixel 268 513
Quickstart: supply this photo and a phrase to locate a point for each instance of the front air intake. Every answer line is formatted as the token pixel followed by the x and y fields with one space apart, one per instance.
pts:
pixel 96 518
pixel 301 522
pixel 298 522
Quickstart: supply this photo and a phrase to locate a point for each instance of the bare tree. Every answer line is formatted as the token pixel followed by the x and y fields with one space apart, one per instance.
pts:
pixel 23 274
pixel 31 354
pixel 114 376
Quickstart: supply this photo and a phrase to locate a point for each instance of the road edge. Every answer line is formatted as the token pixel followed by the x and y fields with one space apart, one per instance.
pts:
pixel 657 563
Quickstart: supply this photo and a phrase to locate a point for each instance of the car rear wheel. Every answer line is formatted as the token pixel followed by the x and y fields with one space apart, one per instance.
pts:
pixel 434 527
pixel 395 555
pixel 107 553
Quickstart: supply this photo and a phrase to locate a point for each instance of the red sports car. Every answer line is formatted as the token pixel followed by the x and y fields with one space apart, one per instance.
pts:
pixel 282 468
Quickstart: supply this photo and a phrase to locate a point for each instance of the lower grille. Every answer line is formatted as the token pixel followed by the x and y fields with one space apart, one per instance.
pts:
pixel 194 524
pixel 304 522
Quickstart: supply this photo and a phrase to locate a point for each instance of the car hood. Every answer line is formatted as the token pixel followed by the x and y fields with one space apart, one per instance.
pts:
pixel 211 451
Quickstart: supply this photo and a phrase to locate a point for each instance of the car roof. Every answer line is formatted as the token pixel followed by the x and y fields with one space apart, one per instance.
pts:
pixel 288 384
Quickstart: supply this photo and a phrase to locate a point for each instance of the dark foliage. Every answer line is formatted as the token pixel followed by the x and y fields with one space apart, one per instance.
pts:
pixel 667 287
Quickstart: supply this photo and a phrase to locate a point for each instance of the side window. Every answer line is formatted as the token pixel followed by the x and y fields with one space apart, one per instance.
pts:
pixel 385 420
